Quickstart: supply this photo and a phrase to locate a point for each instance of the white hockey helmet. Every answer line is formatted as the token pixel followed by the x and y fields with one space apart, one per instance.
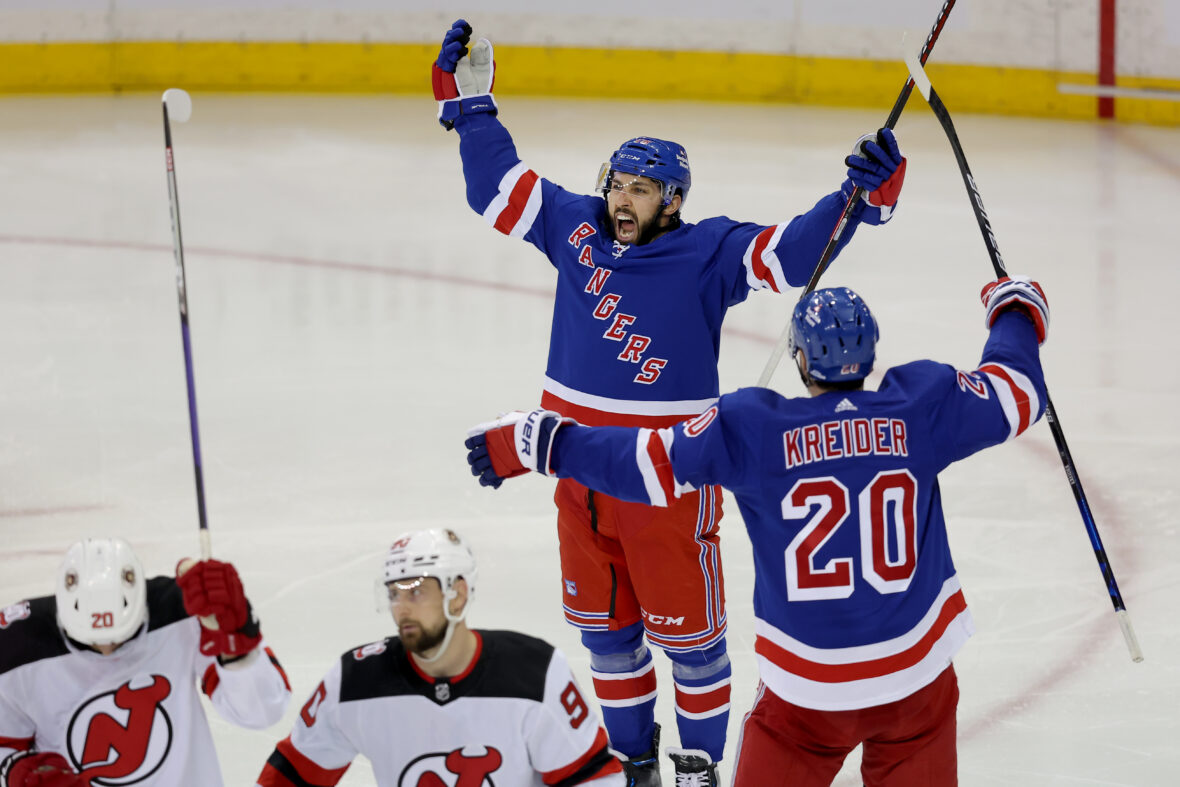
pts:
pixel 101 592
pixel 439 553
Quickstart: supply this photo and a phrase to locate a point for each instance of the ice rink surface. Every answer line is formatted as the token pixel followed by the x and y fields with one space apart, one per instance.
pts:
pixel 351 318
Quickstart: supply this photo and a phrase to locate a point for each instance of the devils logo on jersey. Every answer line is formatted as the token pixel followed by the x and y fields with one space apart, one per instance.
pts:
pixel 457 768
pixel 123 736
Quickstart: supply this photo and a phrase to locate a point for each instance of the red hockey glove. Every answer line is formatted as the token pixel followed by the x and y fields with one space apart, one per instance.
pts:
pixel 512 445
pixel 463 78
pixel 1017 292
pixel 212 589
pixel 40 769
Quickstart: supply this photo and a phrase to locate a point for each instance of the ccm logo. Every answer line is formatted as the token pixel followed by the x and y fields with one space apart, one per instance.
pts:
pixel 664 620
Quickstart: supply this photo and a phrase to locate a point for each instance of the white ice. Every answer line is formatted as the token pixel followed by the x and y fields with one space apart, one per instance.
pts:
pixel 351 317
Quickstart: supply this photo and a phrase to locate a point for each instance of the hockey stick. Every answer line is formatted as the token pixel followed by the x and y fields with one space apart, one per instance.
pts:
pixel 838 232
pixel 918 75
pixel 181 106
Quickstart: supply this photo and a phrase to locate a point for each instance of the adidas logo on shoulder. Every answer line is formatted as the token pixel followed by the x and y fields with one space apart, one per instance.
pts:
pixel 845 406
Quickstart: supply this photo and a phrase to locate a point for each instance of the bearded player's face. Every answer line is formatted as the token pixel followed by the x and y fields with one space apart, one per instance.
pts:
pixel 417 607
pixel 634 208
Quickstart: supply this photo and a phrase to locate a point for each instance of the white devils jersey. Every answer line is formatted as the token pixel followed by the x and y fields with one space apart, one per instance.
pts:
pixel 133 717
pixel 515 717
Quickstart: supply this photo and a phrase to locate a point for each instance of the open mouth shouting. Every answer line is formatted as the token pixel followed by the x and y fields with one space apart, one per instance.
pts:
pixel 626 226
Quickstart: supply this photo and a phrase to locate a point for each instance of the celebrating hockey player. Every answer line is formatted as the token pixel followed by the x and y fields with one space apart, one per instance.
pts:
pixel 641 295
pixel 858 609
pixel 442 703
pixel 98 682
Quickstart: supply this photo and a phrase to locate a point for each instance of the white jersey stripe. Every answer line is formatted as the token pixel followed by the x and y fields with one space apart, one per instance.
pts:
pixel 685 407
pixel 647 469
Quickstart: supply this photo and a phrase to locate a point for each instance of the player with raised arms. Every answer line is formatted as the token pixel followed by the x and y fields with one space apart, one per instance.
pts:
pixel 636 335
pixel 858 608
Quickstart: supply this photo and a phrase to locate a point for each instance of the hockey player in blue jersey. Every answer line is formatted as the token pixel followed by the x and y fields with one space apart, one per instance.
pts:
pixel 641 296
pixel 858 608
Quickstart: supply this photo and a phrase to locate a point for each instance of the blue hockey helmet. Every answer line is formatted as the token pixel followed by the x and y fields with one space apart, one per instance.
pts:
pixel 837 334
pixel 653 158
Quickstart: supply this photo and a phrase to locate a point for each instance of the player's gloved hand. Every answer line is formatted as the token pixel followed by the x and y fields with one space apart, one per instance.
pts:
pixel 512 445
pixel 877 166
pixel 463 77
pixel 1017 292
pixel 39 769
pixel 212 589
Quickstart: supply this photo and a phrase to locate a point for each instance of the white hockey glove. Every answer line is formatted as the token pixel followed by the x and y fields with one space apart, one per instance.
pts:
pixel 463 78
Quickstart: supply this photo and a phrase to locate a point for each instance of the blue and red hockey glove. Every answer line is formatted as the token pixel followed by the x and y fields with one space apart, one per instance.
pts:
pixel 512 445
pixel 463 77
pixel 1017 292
pixel 877 166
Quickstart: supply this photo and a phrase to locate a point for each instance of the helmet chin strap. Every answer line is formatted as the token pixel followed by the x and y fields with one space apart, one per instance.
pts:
pixel 451 621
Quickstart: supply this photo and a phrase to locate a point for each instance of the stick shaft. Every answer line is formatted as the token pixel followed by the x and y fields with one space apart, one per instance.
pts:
pixel 182 297
pixel 842 224
pixel 1071 473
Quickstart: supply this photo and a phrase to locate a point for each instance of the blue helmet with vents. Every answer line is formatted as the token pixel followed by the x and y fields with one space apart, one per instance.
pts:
pixel 837 334
pixel 653 158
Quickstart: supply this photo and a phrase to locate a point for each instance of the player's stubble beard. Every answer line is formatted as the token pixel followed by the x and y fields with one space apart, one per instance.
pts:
pixel 646 231
pixel 424 639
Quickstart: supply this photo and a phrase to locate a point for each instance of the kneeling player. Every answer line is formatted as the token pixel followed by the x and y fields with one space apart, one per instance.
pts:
pixel 442 703
pixel 98 682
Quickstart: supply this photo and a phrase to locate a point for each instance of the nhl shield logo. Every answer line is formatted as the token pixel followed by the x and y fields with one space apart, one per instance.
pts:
pixel 442 691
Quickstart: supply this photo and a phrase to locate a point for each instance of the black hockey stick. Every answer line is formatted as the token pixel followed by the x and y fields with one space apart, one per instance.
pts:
pixel 922 81
pixel 838 232
pixel 181 106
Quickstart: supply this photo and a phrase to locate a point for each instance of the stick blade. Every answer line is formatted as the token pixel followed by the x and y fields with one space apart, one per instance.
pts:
pixel 179 103
pixel 917 73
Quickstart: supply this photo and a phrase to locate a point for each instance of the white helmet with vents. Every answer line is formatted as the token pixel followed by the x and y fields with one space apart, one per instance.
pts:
pixel 101 592
pixel 438 553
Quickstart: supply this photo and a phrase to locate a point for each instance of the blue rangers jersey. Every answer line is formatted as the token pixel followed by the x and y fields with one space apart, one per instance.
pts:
pixel 856 598
pixel 636 329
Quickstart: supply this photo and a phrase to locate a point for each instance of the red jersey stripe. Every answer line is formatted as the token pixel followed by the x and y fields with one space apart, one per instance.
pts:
pixel 20 744
pixel 611 765
pixel 517 201
pixel 590 416
pixel 760 269
pixel 662 465
pixel 861 670
pixel 307 769
pixel 1019 395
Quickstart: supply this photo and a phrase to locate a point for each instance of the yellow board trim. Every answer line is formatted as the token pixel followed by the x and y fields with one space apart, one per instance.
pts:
pixel 598 73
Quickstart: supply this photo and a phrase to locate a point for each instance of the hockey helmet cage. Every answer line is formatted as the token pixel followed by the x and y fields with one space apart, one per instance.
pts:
pixel 101 592
pixel 440 553
pixel 837 334
pixel 658 159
